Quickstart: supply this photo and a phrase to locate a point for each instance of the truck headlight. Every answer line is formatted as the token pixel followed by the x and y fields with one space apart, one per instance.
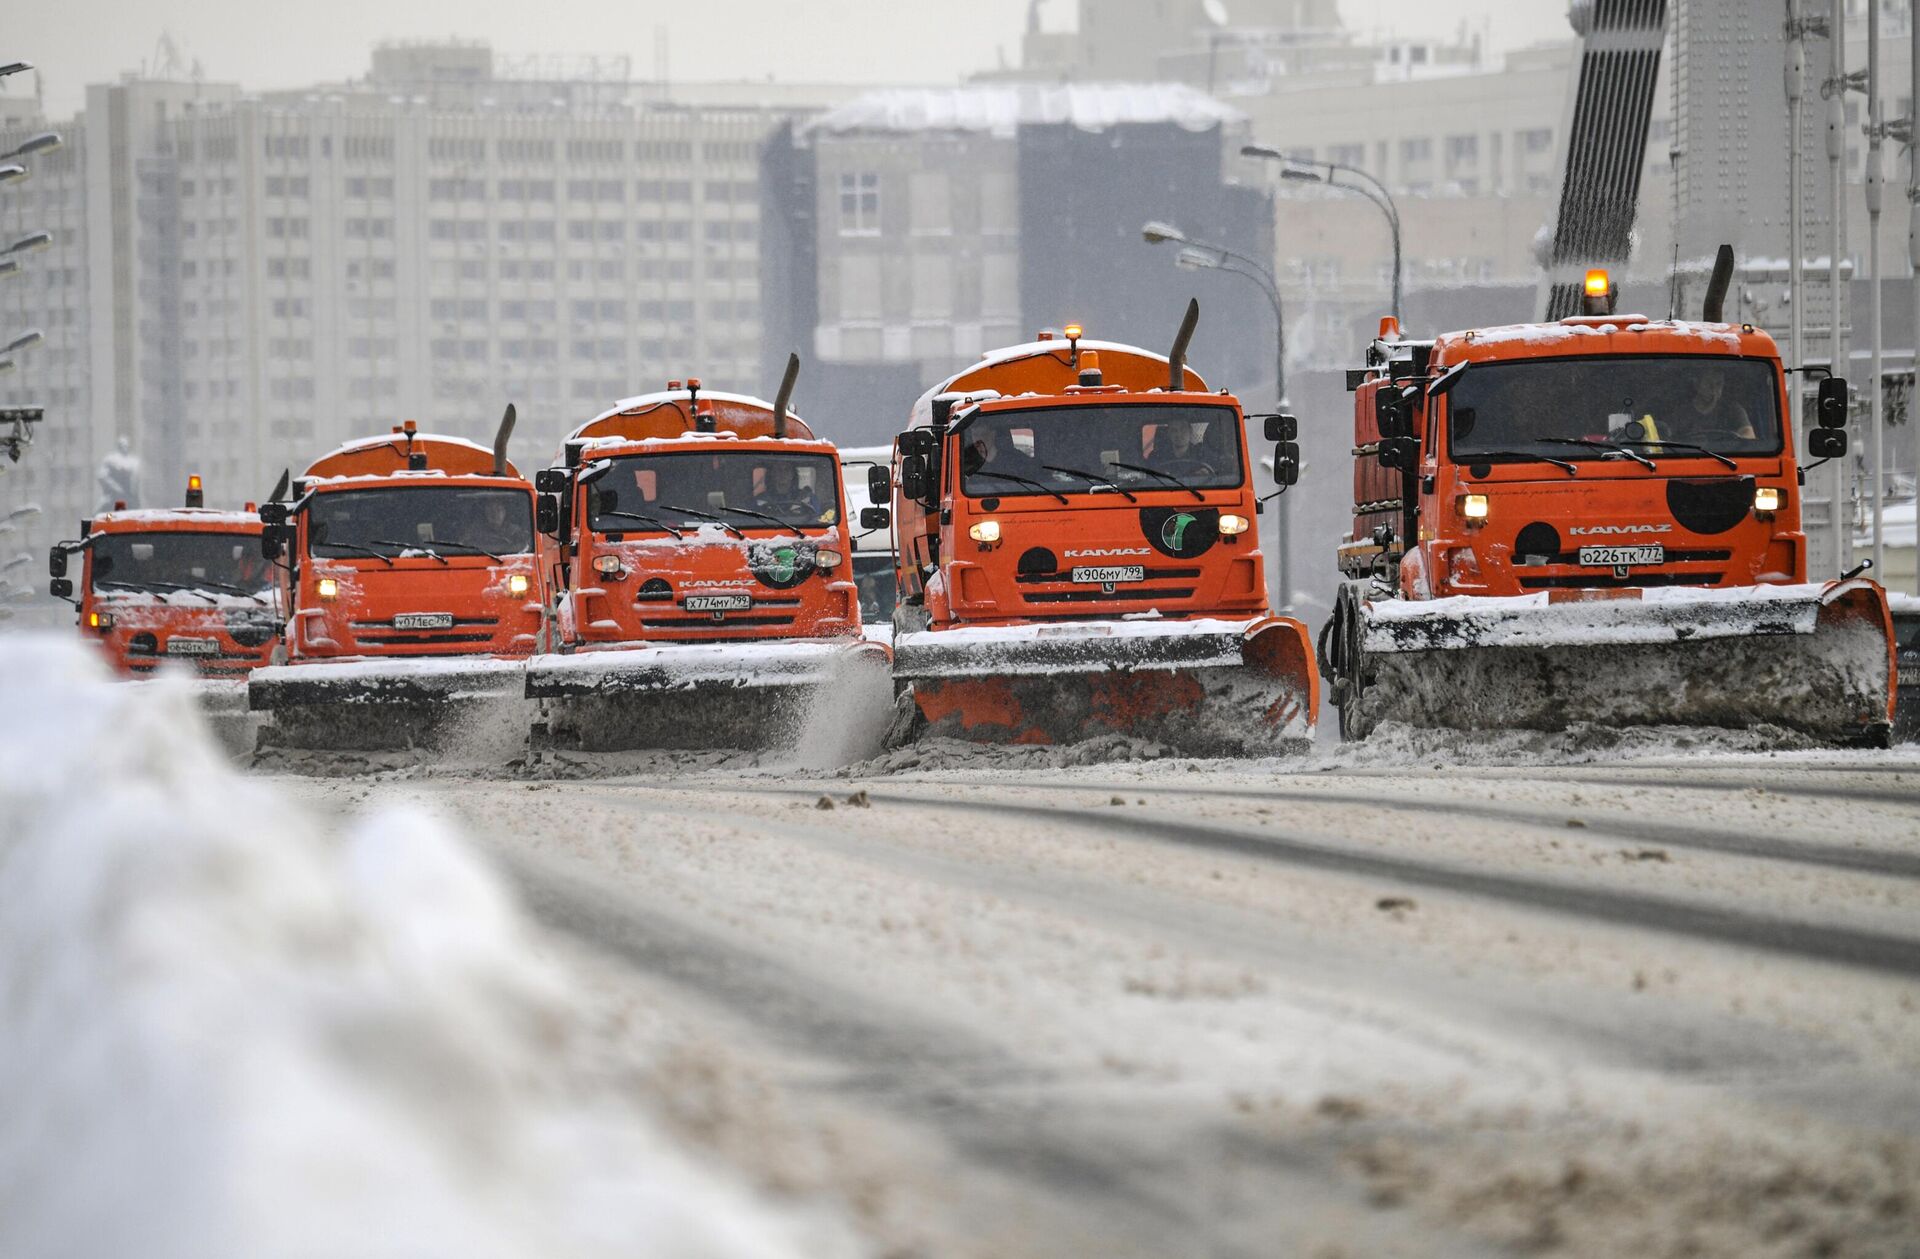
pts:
pixel 827 561
pixel 100 620
pixel 1474 507
pixel 517 584
pixel 1231 524
pixel 607 565
pixel 328 588
pixel 1767 498
pixel 984 531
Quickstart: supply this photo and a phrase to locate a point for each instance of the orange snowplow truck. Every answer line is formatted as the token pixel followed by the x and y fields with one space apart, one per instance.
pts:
pixel 1078 556
pixel 417 590
pixel 703 585
pixel 185 585
pixel 1595 520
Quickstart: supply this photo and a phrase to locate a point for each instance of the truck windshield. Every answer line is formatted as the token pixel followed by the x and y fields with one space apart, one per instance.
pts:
pixel 440 520
pixel 741 489
pixel 1586 408
pixel 220 563
pixel 1139 448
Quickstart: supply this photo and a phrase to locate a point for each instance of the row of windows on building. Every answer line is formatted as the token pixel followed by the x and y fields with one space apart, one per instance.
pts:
pixel 577 230
pixel 513 150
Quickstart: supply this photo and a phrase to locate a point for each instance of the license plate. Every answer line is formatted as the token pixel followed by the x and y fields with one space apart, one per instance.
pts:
pixel 423 620
pixel 193 647
pixel 1111 574
pixel 717 603
pixel 1622 556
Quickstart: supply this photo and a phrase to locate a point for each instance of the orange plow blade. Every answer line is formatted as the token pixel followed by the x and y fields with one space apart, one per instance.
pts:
pixel 1204 688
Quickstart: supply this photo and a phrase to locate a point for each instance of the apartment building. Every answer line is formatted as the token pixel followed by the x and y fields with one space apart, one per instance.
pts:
pixel 241 282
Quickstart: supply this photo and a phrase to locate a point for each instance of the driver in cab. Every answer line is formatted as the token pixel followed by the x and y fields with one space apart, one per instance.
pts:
pixel 1177 449
pixel 992 452
pixel 1710 411
pixel 783 496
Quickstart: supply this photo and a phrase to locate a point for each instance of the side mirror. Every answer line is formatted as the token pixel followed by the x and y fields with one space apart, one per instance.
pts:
pixel 273 514
pixel 1286 459
pixel 550 480
pixel 57 562
pixel 917 441
pixel 1283 428
pixel 1393 413
pixel 274 540
pixel 547 513
pixel 60 588
pixel 1830 403
pixel 1827 443
pixel 879 484
pixel 913 477
pixel 875 518
pixel 1399 452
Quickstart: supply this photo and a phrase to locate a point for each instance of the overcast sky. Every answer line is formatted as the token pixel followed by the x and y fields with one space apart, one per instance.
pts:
pixel 274 44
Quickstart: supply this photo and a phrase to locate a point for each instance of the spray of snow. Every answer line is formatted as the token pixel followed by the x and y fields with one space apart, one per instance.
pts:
pixel 224 1033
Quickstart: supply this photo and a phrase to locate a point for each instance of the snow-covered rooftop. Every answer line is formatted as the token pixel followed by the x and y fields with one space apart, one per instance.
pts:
pixel 1000 108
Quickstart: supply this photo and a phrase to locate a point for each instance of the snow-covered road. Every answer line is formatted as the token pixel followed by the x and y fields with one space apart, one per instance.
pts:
pixel 1666 1004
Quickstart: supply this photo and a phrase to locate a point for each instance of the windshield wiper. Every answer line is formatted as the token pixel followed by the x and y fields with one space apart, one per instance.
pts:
pixel 1519 454
pixel 1591 444
pixel 642 517
pixel 227 585
pixel 364 550
pixel 704 515
pixel 1019 480
pixel 412 546
pixel 1095 482
pixel 748 511
pixel 1168 477
pixel 468 546
pixel 1686 446
pixel 153 583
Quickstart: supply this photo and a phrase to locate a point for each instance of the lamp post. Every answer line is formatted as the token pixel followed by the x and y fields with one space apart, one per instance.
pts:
pixel 1199 255
pixel 1305 170
pixel 45 142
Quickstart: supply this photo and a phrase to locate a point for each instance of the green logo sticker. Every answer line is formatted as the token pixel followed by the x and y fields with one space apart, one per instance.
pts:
pixel 785 564
pixel 1174 532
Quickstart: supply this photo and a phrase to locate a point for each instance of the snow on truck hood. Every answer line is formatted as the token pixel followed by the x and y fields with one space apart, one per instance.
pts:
pixel 235 1028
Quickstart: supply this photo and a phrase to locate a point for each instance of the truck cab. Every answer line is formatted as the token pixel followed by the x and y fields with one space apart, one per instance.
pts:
pixel 698 517
pixel 409 545
pixel 183 585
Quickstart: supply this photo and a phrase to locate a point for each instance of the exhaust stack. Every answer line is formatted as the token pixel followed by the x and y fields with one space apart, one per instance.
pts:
pixel 1714 309
pixel 500 440
pixel 1177 357
pixel 280 486
pixel 785 396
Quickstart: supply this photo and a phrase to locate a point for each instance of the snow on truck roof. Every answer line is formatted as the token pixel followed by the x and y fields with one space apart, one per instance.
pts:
pixel 1001 109
pixel 729 406
pixel 1668 336
pixel 212 518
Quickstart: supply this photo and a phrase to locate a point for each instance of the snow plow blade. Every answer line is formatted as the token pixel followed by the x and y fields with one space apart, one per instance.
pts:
pixel 1205 688
pixel 355 705
pixel 1814 658
pixel 693 695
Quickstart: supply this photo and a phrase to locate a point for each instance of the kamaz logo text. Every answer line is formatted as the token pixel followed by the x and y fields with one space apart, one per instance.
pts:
pixel 1586 531
pixel 1100 551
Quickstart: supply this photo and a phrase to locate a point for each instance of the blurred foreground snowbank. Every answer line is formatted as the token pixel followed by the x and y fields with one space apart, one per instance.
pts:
pixel 225 1034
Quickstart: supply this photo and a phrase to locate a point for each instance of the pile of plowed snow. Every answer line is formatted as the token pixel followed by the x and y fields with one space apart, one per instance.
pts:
pixel 223 1033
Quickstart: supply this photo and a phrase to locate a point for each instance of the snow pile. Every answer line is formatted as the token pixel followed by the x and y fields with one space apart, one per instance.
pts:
pixel 224 1034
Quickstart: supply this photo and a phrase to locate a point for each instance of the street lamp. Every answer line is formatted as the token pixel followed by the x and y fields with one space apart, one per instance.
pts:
pixel 1200 255
pixel 31 337
pixel 14 67
pixel 45 142
pixel 29 243
pixel 1307 170
pixel 12 172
